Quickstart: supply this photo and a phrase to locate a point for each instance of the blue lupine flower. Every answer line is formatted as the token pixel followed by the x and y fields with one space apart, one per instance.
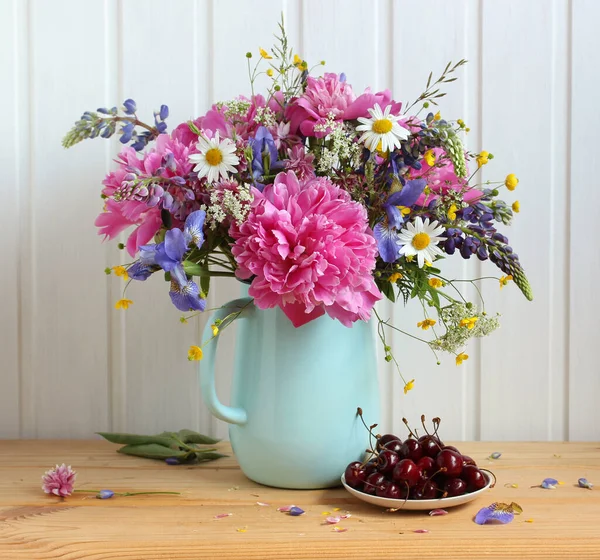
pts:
pixel 387 232
pixel 186 296
pixel 583 483
pixel 126 132
pixel 129 106
pixel 105 494
pixel 264 152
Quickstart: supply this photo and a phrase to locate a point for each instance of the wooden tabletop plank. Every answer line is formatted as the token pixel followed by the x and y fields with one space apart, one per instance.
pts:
pixel 35 526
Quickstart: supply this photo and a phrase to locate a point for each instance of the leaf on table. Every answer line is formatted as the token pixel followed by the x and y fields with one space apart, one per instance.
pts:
pixel 189 436
pixel 151 451
pixel 209 455
pixel 134 439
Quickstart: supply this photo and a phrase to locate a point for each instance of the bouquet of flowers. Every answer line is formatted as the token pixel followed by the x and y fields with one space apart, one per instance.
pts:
pixel 322 199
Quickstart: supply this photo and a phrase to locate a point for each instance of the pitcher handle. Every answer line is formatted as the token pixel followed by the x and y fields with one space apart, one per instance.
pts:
pixel 230 414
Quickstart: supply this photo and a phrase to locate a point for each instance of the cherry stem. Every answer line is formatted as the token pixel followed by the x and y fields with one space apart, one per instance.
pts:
pixel 408 428
pixel 369 429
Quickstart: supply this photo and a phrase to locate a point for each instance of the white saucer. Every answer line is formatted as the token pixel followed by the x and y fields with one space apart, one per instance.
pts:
pixel 412 505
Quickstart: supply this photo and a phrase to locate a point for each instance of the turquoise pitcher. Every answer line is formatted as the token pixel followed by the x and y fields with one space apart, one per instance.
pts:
pixel 295 392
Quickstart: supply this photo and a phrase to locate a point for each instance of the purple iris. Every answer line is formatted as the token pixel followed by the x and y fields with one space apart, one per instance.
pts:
pixel 186 297
pixel 264 154
pixel 387 232
pixel 496 512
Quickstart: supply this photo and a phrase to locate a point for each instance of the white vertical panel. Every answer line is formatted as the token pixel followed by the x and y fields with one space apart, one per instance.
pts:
pixel 440 390
pixel 63 284
pixel 584 381
pixel 160 61
pixel 517 112
pixel 13 188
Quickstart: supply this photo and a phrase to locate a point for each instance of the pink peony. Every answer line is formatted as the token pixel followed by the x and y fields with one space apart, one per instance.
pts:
pixel 441 179
pixel 331 96
pixel 300 162
pixel 311 251
pixel 59 481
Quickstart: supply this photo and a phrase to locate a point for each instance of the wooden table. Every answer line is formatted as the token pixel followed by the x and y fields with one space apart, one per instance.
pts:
pixel 560 523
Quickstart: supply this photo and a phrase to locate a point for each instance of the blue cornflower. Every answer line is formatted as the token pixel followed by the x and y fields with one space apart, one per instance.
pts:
pixel 387 231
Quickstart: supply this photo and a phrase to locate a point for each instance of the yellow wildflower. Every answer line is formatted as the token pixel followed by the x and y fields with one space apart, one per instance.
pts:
pixel 195 353
pixel 404 210
pixel 410 258
pixel 452 212
pixel 467 129
pixel 409 386
pixel 428 263
pixel 516 206
pixel 395 277
pixel 504 280
pixel 469 322
pixel 435 283
pixel 482 158
pixel 270 72
pixel 123 304
pixel 425 324
pixel 437 116
pixel 121 271
pixel 264 54
pixel 462 357
pixel 429 158
pixel 511 182
pixel 298 62
pixel 460 123
pixel 215 330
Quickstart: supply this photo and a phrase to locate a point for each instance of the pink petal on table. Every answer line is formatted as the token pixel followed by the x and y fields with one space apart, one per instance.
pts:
pixel 346 516
pixel 333 519
pixel 339 529
pixel 261 504
pixel 222 515
pixel 421 531
pixel 438 512
pixel 285 508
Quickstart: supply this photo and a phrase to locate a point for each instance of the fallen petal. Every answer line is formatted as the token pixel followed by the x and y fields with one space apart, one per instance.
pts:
pixel 549 483
pixel 583 483
pixel 503 513
pixel 346 516
pixel 435 512
pixel 285 508
pixel 333 519
pixel 529 521
pixel 261 504
pixel 511 485
pixel 337 509
pixel 421 531
pixel 241 529
pixel 495 455
pixel 325 512
pixel 222 515
pixel 339 529
pixel 296 511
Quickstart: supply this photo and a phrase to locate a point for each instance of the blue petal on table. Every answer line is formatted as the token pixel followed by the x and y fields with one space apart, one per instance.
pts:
pixel 495 512
pixel 549 483
pixel 583 483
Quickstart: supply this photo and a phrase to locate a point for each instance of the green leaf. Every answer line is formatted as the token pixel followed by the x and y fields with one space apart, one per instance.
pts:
pixel 386 288
pixel 192 268
pixel 134 439
pixel 209 456
pixel 205 284
pixel 152 451
pixel 189 436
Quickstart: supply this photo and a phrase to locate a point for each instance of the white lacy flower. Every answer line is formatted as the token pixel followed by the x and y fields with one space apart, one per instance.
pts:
pixel 381 128
pixel 421 239
pixel 216 158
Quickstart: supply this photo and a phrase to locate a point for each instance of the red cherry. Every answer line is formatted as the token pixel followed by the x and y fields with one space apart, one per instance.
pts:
pixel 372 482
pixel 386 461
pixel 430 445
pixel 455 487
pixel 426 490
pixel 394 445
pixel 407 472
pixel 427 466
pixel 393 491
pixel 450 462
pixel 474 478
pixel 385 439
pixel 355 475
pixel 411 449
pixel 468 461
pixel 451 447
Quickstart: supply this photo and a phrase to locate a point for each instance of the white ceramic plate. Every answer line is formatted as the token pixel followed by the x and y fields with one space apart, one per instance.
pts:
pixel 412 505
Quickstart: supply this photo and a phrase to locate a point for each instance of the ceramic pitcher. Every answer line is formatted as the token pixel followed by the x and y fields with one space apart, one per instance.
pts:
pixel 295 393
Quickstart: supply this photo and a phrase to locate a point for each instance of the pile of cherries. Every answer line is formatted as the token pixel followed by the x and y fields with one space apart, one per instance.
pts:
pixel 418 468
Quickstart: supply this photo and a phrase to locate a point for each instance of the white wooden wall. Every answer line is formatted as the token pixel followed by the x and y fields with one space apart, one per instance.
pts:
pixel 71 365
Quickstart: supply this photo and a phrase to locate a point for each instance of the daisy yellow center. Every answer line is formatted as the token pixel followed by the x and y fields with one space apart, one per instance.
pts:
pixel 382 126
pixel 214 156
pixel 420 241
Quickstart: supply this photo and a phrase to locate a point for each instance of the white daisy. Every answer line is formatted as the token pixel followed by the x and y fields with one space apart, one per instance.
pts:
pixel 381 127
pixel 216 158
pixel 421 239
